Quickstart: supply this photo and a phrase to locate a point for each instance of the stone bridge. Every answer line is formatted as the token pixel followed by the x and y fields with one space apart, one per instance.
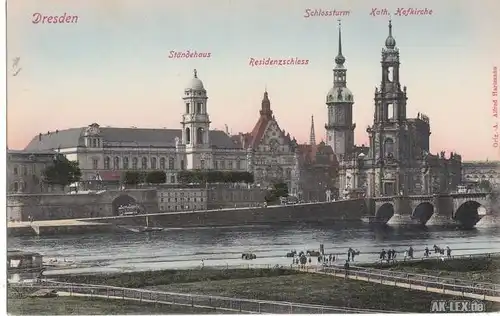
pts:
pixel 441 209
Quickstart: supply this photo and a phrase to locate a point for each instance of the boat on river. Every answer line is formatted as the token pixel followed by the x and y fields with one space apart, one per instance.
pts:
pixel 142 229
pixel 24 262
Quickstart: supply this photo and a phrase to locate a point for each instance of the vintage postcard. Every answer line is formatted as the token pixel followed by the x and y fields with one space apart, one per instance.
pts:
pixel 264 157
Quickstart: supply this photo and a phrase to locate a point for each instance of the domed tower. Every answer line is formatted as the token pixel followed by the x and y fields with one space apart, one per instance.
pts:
pixel 339 100
pixel 195 120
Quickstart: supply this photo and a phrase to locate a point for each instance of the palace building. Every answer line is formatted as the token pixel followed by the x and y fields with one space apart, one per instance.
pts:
pixel 397 160
pixel 104 153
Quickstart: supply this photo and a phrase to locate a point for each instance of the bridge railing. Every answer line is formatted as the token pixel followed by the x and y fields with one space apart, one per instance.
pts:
pixel 460 287
pixel 197 300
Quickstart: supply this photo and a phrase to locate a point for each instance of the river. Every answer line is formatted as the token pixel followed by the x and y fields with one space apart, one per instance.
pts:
pixel 186 247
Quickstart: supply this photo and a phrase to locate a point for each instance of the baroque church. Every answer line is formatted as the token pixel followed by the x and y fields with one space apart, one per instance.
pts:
pixel 397 160
pixel 104 153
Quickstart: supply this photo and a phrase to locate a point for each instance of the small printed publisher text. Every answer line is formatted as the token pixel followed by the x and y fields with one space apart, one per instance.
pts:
pixel 494 107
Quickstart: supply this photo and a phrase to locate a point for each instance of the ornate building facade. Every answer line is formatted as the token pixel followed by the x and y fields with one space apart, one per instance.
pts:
pixel 104 153
pixel 271 151
pixel 478 171
pixel 397 160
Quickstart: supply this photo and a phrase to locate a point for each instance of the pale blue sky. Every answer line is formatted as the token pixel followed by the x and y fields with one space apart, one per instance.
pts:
pixel 112 66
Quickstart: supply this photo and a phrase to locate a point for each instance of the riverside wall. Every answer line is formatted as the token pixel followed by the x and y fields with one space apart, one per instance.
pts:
pixel 349 210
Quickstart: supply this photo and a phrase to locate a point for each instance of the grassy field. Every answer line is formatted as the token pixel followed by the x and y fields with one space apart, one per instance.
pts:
pixel 264 284
pixel 316 289
pixel 65 305
pixel 150 278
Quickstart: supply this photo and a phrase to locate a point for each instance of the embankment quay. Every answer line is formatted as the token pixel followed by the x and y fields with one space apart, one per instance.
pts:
pixel 464 210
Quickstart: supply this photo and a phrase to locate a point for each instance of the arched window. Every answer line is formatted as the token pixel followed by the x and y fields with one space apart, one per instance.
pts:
pixel 171 162
pixel 288 173
pixel 162 163
pixel 187 107
pixel 116 163
pixel 16 186
pixel 188 136
pixel 125 162
pixel 94 142
pixel 389 147
pixel 144 163
pixel 199 135
pixel 153 163
pixel 134 163
pixel 107 162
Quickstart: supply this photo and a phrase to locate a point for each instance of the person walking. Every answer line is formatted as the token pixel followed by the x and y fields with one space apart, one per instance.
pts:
pixel 448 251
pixel 346 268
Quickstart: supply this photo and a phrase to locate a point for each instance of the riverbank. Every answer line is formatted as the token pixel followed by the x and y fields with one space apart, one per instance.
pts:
pixel 57 227
pixel 273 284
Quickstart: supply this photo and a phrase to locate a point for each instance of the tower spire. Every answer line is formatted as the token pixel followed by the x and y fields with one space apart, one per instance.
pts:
pixel 266 106
pixel 390 42
pixel 312 136
pixel 340 59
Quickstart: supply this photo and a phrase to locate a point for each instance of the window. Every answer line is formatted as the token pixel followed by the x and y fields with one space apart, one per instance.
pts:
pixel 230 165
pixel 162 163
pixel 116 163
pixel 198 108
pixel 95 163
pixel 144 163
pixel 238 164
pixel 16 186
pixel 288 173
pixel 389 147
pixel 222 165
pixel 390 74
pixel 202 164
pixel 216 164
pixel 188 136
pixel 199 135
pixel 94 142
pixel 134 163
pixel 153 163
pixel 125 162
pixel 25 171
pixel 187 107
pixel 182 165
pixel 390 111
pixel 107 162
pixel 172 179
pixel 15 171
pixel 171 162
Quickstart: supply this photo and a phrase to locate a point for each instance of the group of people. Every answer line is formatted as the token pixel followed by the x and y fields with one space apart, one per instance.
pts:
pixel 438 250
pixel 389 255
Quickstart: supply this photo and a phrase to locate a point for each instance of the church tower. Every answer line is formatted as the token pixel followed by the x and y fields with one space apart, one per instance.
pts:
pixel 390 135
pixel 339 101
pixel 195 123
pixel 312 135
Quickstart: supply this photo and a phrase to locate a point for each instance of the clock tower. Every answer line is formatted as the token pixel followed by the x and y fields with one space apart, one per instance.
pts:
pixel 339 101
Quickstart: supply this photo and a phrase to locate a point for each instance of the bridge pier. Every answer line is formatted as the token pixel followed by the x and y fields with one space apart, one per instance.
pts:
pixel 402 212
pixel 443 211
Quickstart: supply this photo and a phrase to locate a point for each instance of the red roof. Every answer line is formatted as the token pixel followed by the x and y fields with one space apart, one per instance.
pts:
pixel 110 175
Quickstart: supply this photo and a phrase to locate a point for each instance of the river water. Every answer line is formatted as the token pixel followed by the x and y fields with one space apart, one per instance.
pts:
pixel 186 247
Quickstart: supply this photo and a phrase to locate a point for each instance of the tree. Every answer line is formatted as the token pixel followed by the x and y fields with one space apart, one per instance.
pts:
pixel 279 190
pixel 132 177
pixel 156 177
pixel 214 176
pixel 62 171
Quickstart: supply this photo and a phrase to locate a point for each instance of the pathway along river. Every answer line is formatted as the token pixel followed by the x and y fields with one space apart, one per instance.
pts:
pixel 185 248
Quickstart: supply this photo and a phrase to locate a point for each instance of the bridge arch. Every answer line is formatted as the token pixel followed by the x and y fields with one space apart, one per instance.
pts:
pixel 468 213
pixel 123 199
pixel 423 212
pixel 384 212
